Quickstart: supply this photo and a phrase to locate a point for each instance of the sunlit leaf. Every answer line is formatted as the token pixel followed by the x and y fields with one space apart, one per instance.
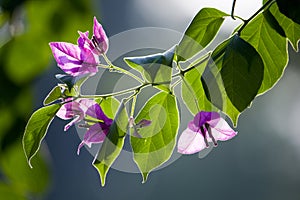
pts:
pixel 155 69
pixel 109 106
pixel 193 90
pixel 53 95
pixel 291 29
pixel 158 140
pixel 36 130
pixel 200 32
pixel 113 144
pixel 271 46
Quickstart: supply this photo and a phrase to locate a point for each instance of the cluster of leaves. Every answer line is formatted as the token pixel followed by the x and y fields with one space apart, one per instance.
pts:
pixel 246 65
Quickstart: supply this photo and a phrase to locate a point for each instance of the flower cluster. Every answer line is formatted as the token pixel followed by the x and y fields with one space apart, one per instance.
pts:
pixel 82 58
pixel 90 112
pixel 77 60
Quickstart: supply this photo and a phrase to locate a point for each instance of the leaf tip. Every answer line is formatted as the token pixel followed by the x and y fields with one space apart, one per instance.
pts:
pixel 102 181
pixel 145 176
pixel 29 163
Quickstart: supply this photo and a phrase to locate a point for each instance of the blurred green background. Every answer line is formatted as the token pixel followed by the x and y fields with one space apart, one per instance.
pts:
pixel 262 162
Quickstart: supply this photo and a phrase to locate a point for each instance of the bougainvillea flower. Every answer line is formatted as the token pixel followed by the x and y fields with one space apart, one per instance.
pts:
pixel 75 110
pixel 99 39
pixel 99 42
pixel 97 132
pixel 204 128
pixel 74 60
pixel 139 125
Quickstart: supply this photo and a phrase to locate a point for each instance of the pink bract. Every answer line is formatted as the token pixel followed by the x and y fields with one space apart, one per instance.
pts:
pixel 74 60
pixel 204 128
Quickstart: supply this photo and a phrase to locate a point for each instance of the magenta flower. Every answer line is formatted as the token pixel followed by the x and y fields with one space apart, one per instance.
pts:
pixel 99 42
pixel 75 110
pixel 206 127
pixel 139 125
pixel 97 132
pixel 74 60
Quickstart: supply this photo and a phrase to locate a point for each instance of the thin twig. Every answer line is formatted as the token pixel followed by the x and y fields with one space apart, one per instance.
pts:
pixel 268 3
pixel 232 9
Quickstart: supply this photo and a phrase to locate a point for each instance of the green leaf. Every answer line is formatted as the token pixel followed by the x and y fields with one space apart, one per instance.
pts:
pixel 67 79
pixel 109 106
pixel 242 72
pixel 271 46
pixel 290 9
pixel 158 140
pixel 73 83
pixel 155 69
pixel 291 29
pixel 53 95
pixel 193 88
pixel 36 130
pixel 200 32
pixel 216 86
pixel 113 144
pixel 238 72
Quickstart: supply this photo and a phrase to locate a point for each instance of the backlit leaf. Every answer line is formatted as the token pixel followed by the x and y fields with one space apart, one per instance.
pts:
pixel 193 89
pixel 155 69
pixel 158 140
pixel 271 46
pixel 53 95
pixel 242 72
pixel 200 32
pixel 113 144
pixel 36 129
pixel 291 29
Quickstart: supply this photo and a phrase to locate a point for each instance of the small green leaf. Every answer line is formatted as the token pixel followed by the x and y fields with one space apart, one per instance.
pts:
pixel 290 9
pixel 158 140
pixel 271 46
pixel 200 32
pixel 109 106
pixel 113 144
pixel 155 69
pixel 291 29
pixel 53 95
pixel 36 130
pixel 73 83
pixel 193 90
pixel 66 79
pixel 242 72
